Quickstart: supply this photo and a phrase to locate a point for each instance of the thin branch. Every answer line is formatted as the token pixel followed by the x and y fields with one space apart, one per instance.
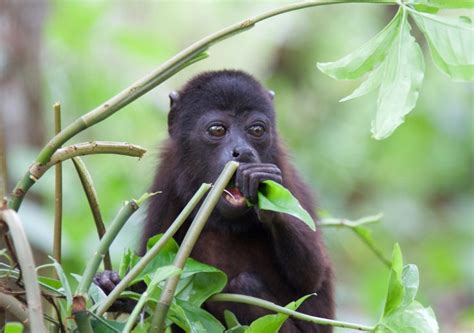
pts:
pixel 337 222
pixel 3 165
pixel 91 194
pixel 15 307
pixel 87 148
pixel 116 225
pixel 58 192
pixel 280 309
pixel 186 57
pixel 27 265
pixel 151 253
pixel 79 303
pixel 188 243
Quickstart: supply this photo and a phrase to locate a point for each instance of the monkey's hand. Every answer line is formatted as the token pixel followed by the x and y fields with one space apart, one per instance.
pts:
pixel 107 281
pixel 248 179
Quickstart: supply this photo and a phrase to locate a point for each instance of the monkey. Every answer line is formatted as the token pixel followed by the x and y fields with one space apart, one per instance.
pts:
pixel 222 116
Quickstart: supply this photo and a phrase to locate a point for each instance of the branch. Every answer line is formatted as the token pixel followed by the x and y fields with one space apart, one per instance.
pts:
pixel 280 309
pixel 151 253
pixel 336 222
pixel 27 266
pixel 188 243
pixel 3 165
pixel 186 57
pixel 58 192
pixel 91 194
pixel 87 148
pixel 15 307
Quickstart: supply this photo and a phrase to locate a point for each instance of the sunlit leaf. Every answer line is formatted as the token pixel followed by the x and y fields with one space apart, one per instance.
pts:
pixel 403 71
pixel 232 323
pixel 410 282
pixel 411 319
pixel 273 196
pixel 443 4
pixel 371 83
pixel 395 288
pixel 451 43
pixel 365 58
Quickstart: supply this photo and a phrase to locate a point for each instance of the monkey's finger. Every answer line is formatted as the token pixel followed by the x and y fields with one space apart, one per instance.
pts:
pixel 115 278
pixel 269 166
pixel 270 169
pixel 254 182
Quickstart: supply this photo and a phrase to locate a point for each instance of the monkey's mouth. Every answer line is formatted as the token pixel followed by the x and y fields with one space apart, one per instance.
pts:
pixel 234 197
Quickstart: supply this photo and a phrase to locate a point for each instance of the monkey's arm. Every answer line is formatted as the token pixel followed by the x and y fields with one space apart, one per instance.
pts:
pixel 299 251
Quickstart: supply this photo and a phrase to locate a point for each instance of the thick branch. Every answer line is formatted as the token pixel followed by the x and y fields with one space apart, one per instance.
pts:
pixel 27 266
pixel 58 192
pixel 15 307
pixel 188 243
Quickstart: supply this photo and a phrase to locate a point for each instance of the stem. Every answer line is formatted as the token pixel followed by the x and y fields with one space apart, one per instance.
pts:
pixel 15 307
pixel 186 57
pixel 91 194
pixel 151 253
pixel 188 243
pixel 58 192
pixel 3 165
pixel 83 322
pixel 27 266
pixel 94 263
pixel 336 222
pixel 280 309
pixel 87 148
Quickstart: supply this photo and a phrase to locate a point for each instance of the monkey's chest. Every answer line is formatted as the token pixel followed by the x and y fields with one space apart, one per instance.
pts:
pixel 236 255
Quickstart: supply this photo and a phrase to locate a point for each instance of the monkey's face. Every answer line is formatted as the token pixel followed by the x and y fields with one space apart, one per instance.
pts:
pixel 223 136
pixel 220 117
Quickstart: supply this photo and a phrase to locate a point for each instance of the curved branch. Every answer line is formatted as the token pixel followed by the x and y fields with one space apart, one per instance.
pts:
pixel 280 309
pixel 86 148
pixel 186 57
pixel 27 266
pixel 15 307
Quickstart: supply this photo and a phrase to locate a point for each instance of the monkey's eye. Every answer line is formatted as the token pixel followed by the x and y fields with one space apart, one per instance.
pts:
pixel 216 130
pixel 256 130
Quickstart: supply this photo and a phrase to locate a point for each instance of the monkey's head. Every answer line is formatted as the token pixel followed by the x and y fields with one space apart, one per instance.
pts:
pixel 218 117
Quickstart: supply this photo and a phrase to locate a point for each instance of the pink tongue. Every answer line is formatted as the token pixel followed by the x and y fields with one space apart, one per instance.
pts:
pixel 235 192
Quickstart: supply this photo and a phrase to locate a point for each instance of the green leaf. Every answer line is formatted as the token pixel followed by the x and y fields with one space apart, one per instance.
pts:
pixel 273 196
pixel 198 281
pixel 451 43
pixel 365 58
pixel 410 282
pixel 411 319
pixel 101 325
pixel 230 319
pixel 65 287
pixel 13 327
pixel 371 83
pixel 443 4
pixel 193 319
pixel 396 291
pixel 403 71
pixel 272 323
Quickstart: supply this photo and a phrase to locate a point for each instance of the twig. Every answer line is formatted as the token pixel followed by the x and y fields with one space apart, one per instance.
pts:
pixel 280 309
pixel 188 243
pixel 15 307
pixel 27 265
pixel 336 222
pixel 3 165
pixel 116 225
pixel 79 303
pixel 151 253
pixel 91 194
pixel 58 192
pixel 186 57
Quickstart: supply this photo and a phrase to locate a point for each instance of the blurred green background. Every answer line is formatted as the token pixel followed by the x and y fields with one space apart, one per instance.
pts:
pixel 421 177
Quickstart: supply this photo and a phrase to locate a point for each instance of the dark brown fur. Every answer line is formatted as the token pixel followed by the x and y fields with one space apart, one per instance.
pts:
pixel 281 261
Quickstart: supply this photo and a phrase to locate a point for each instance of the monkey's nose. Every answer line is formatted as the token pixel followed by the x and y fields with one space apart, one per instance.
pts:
pixel 243 154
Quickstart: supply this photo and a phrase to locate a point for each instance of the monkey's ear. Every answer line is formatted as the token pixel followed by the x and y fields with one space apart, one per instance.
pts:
pixel 174 98
pixel 272 94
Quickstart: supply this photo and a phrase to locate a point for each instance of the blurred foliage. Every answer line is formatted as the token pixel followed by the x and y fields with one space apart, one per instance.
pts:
pixel 421 177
